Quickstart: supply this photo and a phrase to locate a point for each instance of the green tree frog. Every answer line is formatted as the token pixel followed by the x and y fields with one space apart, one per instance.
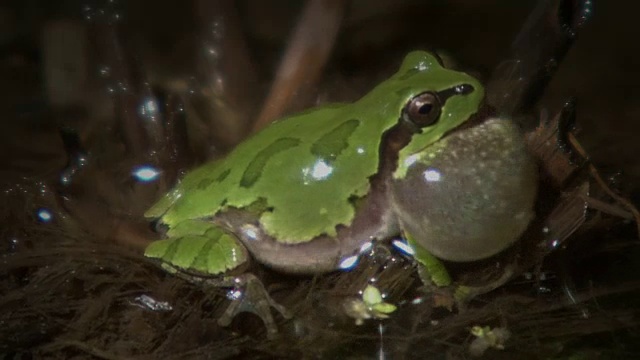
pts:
pixel 418 154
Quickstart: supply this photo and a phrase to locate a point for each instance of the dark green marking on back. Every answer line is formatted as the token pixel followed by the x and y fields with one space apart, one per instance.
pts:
pixel 171 251
pixel 188 249
pixel 212 252
pixel 332 143
pixel 254 169
pixel 204 183
pixel 223 175
pixel 202 260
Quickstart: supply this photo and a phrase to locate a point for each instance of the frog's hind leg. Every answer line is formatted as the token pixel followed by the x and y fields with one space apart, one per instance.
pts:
pixel 247 294
pixel 199 247
pixel 201 253
pixel 255 299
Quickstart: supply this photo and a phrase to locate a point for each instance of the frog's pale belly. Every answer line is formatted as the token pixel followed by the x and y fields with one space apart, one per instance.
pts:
pixel 373 221
pixel 472 194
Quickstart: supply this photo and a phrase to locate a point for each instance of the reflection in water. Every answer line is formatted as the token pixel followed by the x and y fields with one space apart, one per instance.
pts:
pixel 147 302
pixel 44 215
pixel 145 173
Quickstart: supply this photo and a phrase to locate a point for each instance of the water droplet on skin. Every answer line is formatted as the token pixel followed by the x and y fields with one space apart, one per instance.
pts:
pixel 234 294
pixel 403 247
pixel 410 160
pixel 366 247
pixel 348 263
pixel 250 231
pixel 320 171
pixel 432 175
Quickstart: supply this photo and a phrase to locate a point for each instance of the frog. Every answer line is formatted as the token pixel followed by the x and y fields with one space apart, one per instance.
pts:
pixel 421 154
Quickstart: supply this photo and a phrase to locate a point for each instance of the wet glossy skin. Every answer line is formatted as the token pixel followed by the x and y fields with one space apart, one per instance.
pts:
pixel 311 189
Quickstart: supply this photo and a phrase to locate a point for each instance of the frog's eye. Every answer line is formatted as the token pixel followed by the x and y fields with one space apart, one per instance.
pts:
pixel 422 110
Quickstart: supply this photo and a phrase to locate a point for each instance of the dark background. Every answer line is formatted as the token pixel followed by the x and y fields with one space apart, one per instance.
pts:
pixel 79 306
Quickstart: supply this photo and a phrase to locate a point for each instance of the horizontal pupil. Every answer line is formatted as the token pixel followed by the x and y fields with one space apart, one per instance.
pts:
pixel 424 109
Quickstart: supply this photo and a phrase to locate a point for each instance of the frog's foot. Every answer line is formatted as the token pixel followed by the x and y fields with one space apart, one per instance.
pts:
pixel 463 293
pixel 459 295
pixel 442 297
pixel 250 295
pixel 247 294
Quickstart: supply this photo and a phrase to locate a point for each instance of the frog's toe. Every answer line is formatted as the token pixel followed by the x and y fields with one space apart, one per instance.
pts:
pixel 251 296
pixel 464 294
pixel 240 305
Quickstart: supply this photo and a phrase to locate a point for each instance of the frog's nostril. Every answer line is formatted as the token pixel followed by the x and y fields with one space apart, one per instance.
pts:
pixel 464 89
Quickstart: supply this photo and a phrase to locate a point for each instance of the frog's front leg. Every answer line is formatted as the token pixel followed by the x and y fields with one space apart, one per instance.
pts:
pixel 201 252
pixel 248 295
pixel 436 278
